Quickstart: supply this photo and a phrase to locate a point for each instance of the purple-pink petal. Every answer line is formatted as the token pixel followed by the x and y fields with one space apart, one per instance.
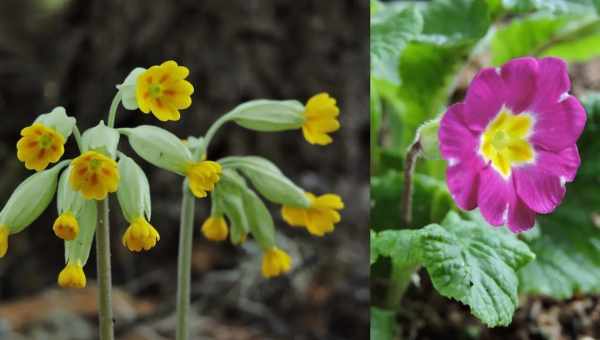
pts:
pixel 463 181
pixel 563 164
pixel 540 190
pixel 520 77
pixel 552 81
pixel 484 99
pixel 456 141
pixel 558 125
pixel 494 196
pixel 520 216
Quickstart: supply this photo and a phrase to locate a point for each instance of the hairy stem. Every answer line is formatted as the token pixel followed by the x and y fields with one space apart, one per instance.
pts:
pixel 210 134
pixel 105 314
pixel 184 260
pixel 409 168
pixel 112 113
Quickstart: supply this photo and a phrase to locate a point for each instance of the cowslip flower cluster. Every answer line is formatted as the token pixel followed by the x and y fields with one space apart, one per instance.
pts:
pixel 95 173
pixel 511 144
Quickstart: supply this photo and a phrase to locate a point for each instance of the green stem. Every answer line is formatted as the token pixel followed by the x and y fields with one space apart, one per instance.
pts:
pixel 399 281
pixel 210 134
pixel 184 262
pixel 112 113
pixel 105 314
pixel 77 136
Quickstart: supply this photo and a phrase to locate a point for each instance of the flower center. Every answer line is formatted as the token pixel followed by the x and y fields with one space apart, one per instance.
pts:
pixel 45 141
pixel 154 90
pixel 505 141
pixel 95 164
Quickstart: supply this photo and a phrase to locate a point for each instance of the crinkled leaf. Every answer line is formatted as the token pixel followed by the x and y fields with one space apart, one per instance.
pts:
pixel 390 30
pixel 476 265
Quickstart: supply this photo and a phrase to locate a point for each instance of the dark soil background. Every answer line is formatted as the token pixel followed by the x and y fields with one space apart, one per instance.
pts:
pixel 73 52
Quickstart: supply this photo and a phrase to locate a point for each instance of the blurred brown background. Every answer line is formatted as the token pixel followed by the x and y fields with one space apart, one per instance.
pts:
pixel 73 52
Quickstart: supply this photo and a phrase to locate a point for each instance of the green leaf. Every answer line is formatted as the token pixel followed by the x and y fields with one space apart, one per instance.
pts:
pixel 456 21
pixel 580 49
pixel 476 265
pixel 383 324
pixel 466 259
pixel 399 245
pixel 573 38
pixel 390 30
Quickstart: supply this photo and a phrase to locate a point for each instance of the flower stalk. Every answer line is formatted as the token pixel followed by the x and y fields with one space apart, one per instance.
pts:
pixel 105 314
pixel 409 169
pixel 184 261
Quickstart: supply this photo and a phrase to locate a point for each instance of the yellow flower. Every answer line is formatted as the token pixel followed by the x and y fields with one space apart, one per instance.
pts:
pixel 39 146
pixel 94 175
pixel 72 276
pixel 66 226
pixel 275 262
pixel 164 90
pixel 319 218
pixel 140 235
pixel 215 228
pixel 4 232
pixel 203 176
pixel 320 115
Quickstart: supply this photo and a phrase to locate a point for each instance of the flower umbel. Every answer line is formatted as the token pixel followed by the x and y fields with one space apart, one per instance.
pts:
pixel 4 233
pixel 321 114
pixel 319 218
pixel 72 276
pixel 140 235
pixel 510 145
pixel 94 175
pixel 275 262
pixel 203 176
pixel 164 91
pixel 39 146
pixel 66 226
pixel 215 228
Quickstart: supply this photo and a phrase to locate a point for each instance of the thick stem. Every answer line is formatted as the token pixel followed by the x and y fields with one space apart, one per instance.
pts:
pixel 409 168
pixel 105 315
pixel 184 262
pixel 399 281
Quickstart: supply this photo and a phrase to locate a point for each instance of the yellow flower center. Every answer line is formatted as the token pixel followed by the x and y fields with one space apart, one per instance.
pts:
pixel 95 164
pixel 505 141
pixel 154 90
pixel 45 141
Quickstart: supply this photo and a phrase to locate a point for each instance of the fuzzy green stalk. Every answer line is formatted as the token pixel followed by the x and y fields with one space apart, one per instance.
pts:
pixel 184 262
pixel 186 234
pixel 105 313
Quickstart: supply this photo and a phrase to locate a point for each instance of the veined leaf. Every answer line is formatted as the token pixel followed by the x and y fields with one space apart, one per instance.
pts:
pixel 455 21
pixel 389 34
pixel 467 260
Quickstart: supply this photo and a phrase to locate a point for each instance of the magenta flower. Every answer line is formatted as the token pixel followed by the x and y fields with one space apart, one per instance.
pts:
pixel 510 145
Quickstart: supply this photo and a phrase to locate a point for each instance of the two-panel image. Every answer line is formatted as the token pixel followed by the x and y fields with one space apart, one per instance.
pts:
pixel 306 170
